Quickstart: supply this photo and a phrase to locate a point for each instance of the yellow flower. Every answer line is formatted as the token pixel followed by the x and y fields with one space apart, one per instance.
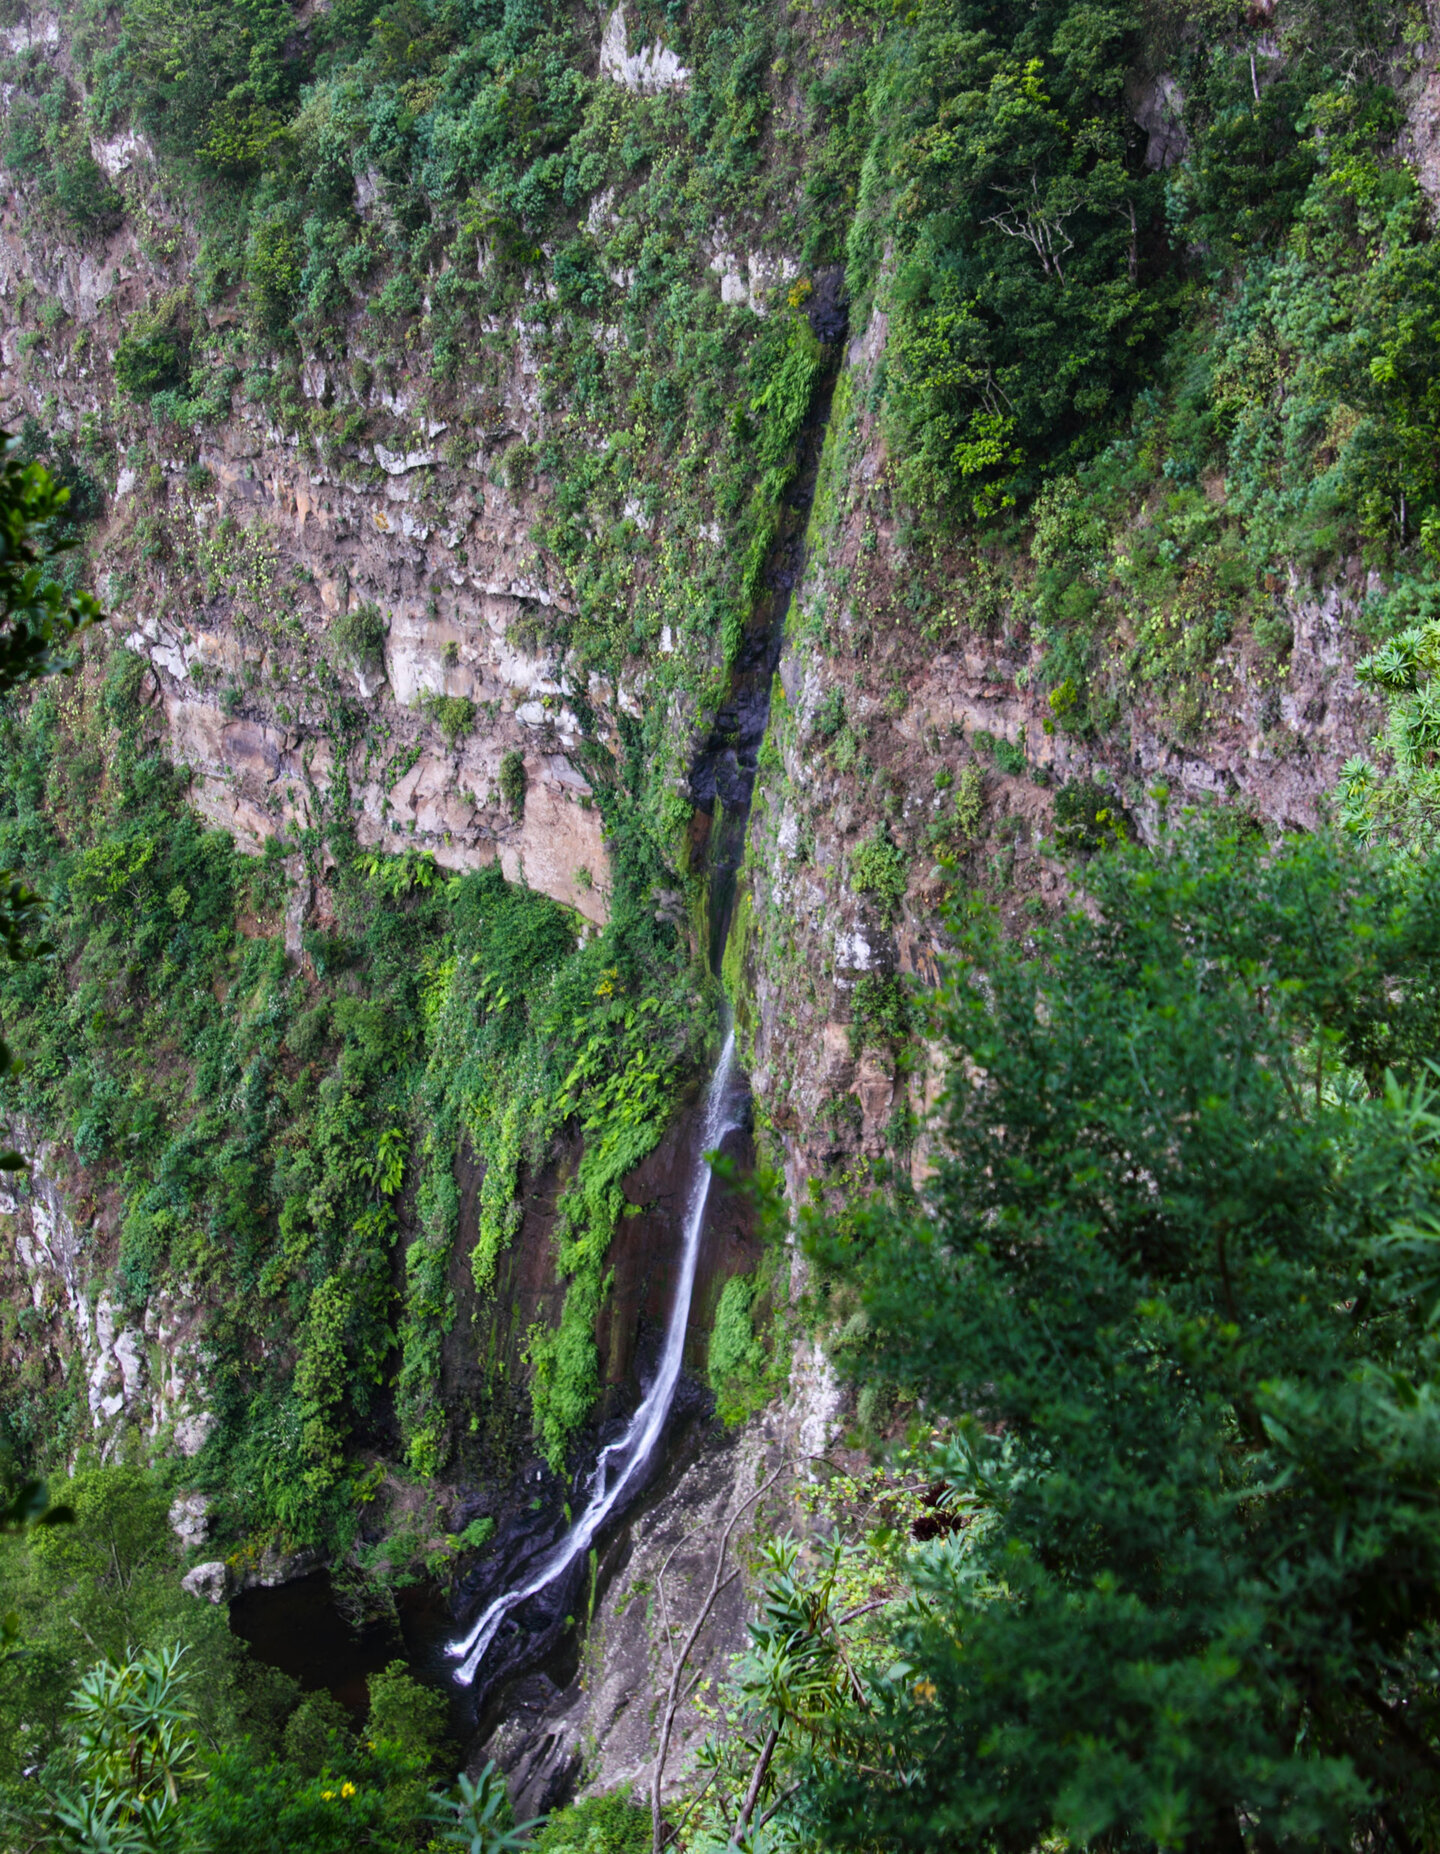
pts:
pixel 347 1789
pixel 327 1795
pixel 925 1691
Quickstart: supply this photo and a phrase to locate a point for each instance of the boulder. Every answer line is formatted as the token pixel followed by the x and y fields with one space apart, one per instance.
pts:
pixel 190 1519
pixel 210 1581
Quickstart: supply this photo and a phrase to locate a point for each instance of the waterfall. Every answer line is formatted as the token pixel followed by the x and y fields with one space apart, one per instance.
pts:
pixel 620 1463
pixel 722 782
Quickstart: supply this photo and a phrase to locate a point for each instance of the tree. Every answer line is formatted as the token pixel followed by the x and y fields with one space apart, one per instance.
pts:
pixel 1032 276
pixel 790 1690
pixel 478 1818
pixel 410 1717
pixel 133 1747
pixel 1173 1290
pixel 138 1773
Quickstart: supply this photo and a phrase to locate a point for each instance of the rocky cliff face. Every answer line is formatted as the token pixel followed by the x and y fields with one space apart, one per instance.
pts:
pixel 277 550
pixel 852 672
pixel 344 611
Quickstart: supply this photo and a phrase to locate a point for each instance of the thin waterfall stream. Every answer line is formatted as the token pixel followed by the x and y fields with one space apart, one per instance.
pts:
pixel 722 782
pixel 620 1464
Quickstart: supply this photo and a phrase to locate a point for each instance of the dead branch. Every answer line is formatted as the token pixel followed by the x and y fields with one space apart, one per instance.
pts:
pixel 718 1582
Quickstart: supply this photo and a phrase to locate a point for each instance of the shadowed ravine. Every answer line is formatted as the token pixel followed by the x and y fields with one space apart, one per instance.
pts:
pixel 722 781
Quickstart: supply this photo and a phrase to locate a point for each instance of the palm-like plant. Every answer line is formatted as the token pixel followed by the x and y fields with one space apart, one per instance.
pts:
pixel 477 1816
pixel 133 1748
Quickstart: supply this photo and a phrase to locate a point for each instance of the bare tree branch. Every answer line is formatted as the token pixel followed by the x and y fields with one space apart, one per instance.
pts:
pixel 778 1804
pixel 672 1834
pixel 1043 231
pixel 718 1582
pixel 757 1778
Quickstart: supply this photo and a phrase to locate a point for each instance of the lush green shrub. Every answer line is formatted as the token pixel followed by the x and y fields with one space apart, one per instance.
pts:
pixel 962 813
pixel 600 1825
pixel 881 1012
pixel 85 196
pixel 412 1718
pixel 879 867
pixel 1087 815
pixel 197 73
pixel 454 715
pixel 318 1735
pixel 830 714
pixel 153 355
pixel 512 780
pixel 1254 159
pixel 1008 755
pixel 736 1355
pixel 273 268
pixel 1168 1288
pixel 358 634
pixel 477 1534
pixel 1032 276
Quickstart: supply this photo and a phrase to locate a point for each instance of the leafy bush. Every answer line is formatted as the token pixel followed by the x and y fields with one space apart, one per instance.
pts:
pixel 830 713
pixel 318 1735
pixel 85 196
pixel 124 679
pixel 359 634
pixel 406 1715
pixel 881 1012
pixel 736 1355
pixel 477 1534
pixel 1087 816
pixel 879 867
pixel 196 72
pixel 1008 755
pixel 1255 158
pixel 512 780
pixel 273 268
pixel 454 715
pixel 1032 276
pixel 153 355
pixel 961 817
pixel 600 1825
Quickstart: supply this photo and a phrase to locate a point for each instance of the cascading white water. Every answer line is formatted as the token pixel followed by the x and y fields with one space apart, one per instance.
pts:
pixel 621 1461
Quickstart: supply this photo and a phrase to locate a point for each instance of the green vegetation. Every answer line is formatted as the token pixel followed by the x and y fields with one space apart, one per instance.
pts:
pixel 1284 432
pixel 882 1012
pixel 750 1341
pixel 359 634
pixel 454 715
pixel 736 1354
pixel 136 1719
pixel 1033 278
pixel 105 1586
pixel 512 780
pixel 459 1010
pixel 1087 815
pixel 1169 1296
pixel 524 1032
pixel 878 868
pixel 40 616
pixel 1146 306
pixel 153 355
pixel 959 809
pixel 601 1825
